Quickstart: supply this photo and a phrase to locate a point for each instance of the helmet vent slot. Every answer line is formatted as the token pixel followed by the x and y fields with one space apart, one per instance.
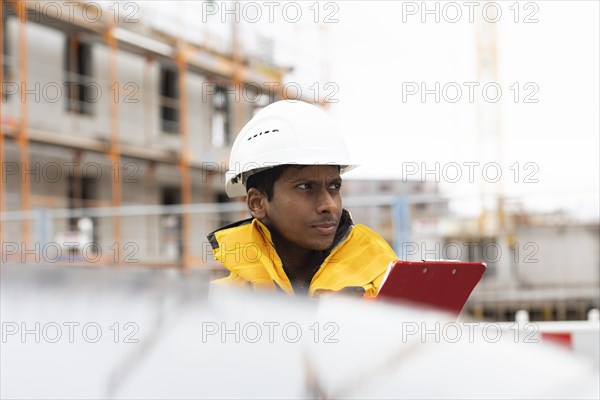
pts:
pixel 262 133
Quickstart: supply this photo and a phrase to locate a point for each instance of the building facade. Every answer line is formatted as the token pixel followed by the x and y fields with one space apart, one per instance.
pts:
pixel 116 105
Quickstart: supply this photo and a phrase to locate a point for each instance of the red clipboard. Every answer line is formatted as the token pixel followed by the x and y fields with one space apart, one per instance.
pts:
pixel 444 285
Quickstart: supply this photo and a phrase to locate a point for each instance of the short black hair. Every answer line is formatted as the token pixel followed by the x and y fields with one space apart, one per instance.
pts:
pixel 264 180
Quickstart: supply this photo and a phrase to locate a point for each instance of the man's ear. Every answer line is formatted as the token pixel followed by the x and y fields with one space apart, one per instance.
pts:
pixel 257 201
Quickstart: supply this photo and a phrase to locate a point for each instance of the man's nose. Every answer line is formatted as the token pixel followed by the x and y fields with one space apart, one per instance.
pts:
pixel 326 202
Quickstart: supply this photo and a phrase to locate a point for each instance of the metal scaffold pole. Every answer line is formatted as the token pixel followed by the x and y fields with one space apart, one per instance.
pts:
pixel 114 150
pixel 184 160
pixel 2 61
pixel 22 139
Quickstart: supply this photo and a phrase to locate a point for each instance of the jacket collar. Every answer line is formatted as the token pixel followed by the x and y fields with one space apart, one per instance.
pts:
pixel 247 243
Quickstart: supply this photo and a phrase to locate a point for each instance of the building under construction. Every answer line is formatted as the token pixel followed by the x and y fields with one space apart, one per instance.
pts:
pixel 107 106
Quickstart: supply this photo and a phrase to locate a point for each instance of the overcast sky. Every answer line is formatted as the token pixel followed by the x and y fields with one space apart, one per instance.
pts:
pixel 380 53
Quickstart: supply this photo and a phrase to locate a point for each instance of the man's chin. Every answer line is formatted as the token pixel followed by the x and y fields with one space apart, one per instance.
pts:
pixel 322 245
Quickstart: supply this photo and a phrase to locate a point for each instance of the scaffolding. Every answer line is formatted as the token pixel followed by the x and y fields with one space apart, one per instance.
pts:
pixel 229 69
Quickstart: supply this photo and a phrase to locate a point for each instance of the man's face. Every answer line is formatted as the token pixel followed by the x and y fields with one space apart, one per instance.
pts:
pixel 306 206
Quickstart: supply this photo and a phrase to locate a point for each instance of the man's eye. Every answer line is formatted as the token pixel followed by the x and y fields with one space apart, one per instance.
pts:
pixel 304 186
pixel 335 186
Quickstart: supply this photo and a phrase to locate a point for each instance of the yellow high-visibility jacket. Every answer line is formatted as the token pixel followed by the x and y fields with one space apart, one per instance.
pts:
pixel 358 258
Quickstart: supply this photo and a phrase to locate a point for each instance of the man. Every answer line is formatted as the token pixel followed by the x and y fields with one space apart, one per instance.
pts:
pixel 287 161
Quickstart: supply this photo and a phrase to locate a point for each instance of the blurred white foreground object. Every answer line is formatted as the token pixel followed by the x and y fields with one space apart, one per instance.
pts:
pixel 184 343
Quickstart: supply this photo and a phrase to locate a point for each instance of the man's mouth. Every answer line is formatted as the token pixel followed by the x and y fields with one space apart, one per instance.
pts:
pixel 326 228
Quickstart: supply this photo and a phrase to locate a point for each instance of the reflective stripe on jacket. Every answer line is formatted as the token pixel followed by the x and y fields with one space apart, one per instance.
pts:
pixel 359 259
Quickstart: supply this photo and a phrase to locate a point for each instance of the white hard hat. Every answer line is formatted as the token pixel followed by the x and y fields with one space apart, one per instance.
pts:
pixel 285 132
